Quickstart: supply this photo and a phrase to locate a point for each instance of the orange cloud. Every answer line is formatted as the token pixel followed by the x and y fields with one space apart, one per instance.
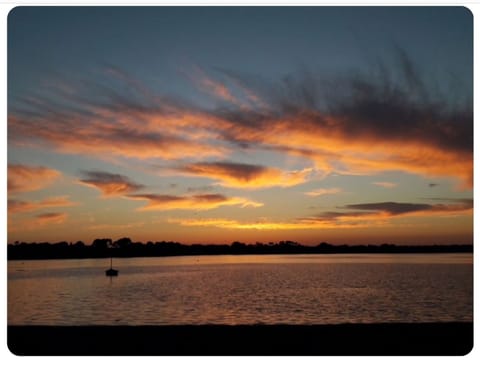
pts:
pixel 20 206
pixel 364 125
pixel 37 222
pixel 249 93
pixel 140 135
pixel 239 175
pixel 367 126
pixel 266 225
pixel 363 154
pixel 192 202
pixel 22 178
pixel 320 192
pixel 50 218
pixel 218 89
pixel 110 184
pixel 364 216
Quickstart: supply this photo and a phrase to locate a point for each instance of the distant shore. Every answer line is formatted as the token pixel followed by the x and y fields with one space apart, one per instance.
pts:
pixel 101 248
pixel 452 339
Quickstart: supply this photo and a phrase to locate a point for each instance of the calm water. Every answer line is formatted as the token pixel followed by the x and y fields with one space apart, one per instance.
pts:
pixel 270 289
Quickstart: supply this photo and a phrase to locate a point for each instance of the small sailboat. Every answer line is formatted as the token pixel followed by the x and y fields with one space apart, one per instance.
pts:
pixel 111 271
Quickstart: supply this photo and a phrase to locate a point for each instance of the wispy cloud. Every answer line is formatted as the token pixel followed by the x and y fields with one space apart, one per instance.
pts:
pixel 38 221
pixel 391 208
pixel 213 87
pixel 97 136
pixel 110 184
pixel 364 216
pixel 320 192
pixel 385 184
pixel 239 175
pixel 23 178
pixel 394 208
pixel 115 227
pixel 245 88
pixel 361 124
pixel 21 206
pixel 50 218
pixel 190 202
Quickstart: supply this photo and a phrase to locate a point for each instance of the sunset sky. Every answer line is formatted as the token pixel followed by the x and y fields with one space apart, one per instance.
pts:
pixel 210 125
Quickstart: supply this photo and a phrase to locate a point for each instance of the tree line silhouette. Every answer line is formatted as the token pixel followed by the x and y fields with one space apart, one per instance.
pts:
pixel 125 247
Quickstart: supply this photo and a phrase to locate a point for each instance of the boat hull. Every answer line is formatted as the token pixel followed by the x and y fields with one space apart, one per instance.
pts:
pixel 111 272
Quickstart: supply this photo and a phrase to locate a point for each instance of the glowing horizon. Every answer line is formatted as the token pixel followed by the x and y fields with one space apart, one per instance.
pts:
pixel 180 143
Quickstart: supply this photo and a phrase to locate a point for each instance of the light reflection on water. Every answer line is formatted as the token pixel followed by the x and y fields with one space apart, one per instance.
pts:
pixel 273 289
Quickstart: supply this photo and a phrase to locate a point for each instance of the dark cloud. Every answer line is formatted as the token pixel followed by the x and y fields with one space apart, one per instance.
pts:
pixel 393 208
pixel 239 171
pixel 49 215
pixel 368 213
pixel 110 184
pixel 163 198
pixel 240 175
pixel 158 198
pixel 21 206
pixel 209 198
pixel 392 104
pixel 389 118
pixel 189 202
pixel 48 218
pixel 333 216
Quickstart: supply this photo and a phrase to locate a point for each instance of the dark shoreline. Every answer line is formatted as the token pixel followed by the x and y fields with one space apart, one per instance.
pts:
pixel 432 339
pixel 126 248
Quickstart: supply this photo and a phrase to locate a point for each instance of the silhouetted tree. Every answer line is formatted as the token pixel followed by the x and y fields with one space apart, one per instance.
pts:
pixel 122 243
pixel 104 247
pixel 101 243
pixel 237 244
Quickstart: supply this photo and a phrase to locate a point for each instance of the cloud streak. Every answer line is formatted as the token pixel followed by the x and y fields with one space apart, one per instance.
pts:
pixel 385 184
pixel 111 185
pixel 320 192
pixel 39 221
pixel 363 124
pixel 24 178
pixel 395 209
pixel 21 206
pixel 239 175
pixel 265 225
pixel 364 216
pixel 50 218
pixel 360 124
pixel 214 87
pixel 190 202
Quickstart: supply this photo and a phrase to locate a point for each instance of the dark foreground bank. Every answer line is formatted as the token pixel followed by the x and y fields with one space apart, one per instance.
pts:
pixel 345 339
pixel 124 247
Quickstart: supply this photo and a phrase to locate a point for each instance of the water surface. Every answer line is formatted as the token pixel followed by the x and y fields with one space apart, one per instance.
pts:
pixel 249 289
